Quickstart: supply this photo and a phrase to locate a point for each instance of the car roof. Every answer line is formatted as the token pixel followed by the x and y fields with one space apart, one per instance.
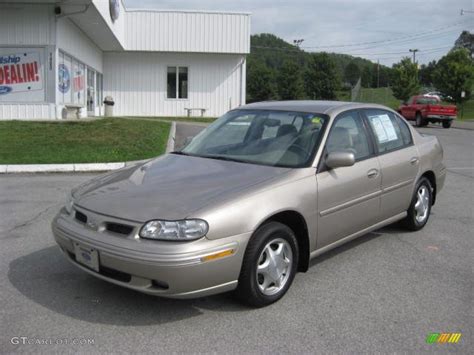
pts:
pixel 313 106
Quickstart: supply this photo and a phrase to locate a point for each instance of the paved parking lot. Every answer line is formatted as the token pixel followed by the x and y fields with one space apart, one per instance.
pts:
pixel 381 293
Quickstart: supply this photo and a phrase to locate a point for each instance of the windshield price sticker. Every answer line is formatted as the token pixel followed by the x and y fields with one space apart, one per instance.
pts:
pixel 383 127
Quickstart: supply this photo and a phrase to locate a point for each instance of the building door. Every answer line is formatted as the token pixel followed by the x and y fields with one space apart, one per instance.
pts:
pixel 91 89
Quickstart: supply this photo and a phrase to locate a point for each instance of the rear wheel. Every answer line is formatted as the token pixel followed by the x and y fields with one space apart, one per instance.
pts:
pixel 420 121
pixel 446 124
pixel 269 265
pixel 420 208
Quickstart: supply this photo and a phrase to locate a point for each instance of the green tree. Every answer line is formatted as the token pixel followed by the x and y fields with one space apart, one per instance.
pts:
pixel 260 82
pixel 405 79
pixel 321 78
pixel 366 77
pixel 352 73
pixel 426 73
pixel 454 74
pixel 290 81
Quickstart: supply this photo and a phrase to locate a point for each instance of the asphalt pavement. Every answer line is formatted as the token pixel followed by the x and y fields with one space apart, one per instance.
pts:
pixel 382 293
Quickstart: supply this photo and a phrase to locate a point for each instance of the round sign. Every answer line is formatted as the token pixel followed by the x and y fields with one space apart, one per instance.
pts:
pixel 114 7
pixel 64 78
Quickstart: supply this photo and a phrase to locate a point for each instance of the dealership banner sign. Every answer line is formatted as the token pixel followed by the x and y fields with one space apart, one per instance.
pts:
pixel 20 72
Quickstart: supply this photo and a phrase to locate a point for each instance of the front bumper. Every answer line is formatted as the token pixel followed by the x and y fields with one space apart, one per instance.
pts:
pixel 168 269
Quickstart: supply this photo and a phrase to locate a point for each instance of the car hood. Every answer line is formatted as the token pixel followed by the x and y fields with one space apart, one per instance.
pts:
pixel 170 187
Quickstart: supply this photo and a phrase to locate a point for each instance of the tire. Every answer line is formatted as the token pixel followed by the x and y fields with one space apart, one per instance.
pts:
pixel 446 124
pixel 419 211
pixel 420 121
pixel 251 288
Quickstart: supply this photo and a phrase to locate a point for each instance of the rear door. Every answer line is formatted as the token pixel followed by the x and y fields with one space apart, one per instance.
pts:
pixel 348 197
pixel 398 158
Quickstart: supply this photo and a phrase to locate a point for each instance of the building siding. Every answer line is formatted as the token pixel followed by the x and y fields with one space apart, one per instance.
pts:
pixel 137 83
pixel 74 42
pixel 187 32
pixel 25 24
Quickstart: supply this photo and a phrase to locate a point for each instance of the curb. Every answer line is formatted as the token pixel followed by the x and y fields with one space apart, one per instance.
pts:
pixel 171 138
pixel 83 167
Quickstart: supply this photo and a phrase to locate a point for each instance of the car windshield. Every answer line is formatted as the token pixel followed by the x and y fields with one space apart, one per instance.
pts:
pixel 276 138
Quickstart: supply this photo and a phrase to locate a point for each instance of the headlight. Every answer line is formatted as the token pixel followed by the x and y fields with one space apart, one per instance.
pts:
pixel 187 229
pixel 69 203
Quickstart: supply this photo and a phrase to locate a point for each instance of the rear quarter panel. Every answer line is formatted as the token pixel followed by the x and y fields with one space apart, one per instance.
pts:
pixel 431 157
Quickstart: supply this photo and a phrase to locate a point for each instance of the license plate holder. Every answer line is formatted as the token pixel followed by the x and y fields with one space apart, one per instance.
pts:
pixel 89 257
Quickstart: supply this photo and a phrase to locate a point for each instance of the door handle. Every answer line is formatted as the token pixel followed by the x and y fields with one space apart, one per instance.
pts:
pixel 372 173
pixel 414 160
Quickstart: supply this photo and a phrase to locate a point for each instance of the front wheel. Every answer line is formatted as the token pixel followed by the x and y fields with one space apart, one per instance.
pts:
pixel 420 208
pixel 446 124
pixel 269 265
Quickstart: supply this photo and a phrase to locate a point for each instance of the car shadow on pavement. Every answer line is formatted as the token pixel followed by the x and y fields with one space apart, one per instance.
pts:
pixel 47 278
pixel 395 228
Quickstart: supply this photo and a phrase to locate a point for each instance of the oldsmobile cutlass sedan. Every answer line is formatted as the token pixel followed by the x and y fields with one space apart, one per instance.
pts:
pixel 251 199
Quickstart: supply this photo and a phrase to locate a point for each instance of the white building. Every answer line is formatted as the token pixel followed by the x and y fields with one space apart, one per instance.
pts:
pixel 64 57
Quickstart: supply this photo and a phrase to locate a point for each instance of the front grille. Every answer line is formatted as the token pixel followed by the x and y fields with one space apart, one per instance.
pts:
pixel 81 217
pixel 119 228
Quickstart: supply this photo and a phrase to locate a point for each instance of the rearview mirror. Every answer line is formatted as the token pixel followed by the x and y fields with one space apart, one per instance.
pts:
pixel 340 159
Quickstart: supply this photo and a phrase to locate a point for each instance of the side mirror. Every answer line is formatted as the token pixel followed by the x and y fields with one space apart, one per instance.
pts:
pixel 340 159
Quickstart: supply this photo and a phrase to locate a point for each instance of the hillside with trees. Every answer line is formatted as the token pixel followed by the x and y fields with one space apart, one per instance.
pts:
pixel 279 70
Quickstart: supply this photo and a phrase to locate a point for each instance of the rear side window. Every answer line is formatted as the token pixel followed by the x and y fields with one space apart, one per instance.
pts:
pixel 389 132
pixel 405 131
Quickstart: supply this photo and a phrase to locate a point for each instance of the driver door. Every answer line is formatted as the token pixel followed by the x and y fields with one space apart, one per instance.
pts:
pixel 348 197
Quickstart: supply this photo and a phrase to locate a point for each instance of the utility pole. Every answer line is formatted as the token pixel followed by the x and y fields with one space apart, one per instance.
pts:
pixel 414 54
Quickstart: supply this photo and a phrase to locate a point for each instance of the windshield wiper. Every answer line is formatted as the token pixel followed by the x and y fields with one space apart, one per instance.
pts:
pixel 220 157
pixel 178 152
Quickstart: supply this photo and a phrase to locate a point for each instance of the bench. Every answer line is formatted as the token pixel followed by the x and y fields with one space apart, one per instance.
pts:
pixel 203 111
pixel 72 109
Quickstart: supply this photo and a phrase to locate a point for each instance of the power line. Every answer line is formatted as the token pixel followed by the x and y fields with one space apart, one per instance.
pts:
pixel 420 34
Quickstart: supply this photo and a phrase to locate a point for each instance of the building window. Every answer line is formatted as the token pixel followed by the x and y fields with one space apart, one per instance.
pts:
pixel 177 83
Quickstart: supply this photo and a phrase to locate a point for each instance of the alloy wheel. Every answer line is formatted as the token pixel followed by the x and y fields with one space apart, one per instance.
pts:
pixel 274 266
pixel 422 203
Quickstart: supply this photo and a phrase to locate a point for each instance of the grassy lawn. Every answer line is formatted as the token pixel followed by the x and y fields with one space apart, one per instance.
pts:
pixel 467 110
pixel 383 96
pixel 181 118
pixel 105 140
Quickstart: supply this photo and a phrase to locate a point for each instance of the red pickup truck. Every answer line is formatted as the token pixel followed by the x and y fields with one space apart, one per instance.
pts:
pixel 424 109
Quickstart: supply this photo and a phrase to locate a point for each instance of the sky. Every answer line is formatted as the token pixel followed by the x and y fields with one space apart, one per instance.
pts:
pixel 373 29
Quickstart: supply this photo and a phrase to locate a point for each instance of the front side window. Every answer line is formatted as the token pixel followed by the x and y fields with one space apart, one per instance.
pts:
pixel 177 83
pixel 348 134
pixel 387 131
pixel 276 138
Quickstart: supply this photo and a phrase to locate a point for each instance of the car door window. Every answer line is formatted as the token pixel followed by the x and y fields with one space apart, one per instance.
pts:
pixel 404 130
pixel 386 129
pixel 348 134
